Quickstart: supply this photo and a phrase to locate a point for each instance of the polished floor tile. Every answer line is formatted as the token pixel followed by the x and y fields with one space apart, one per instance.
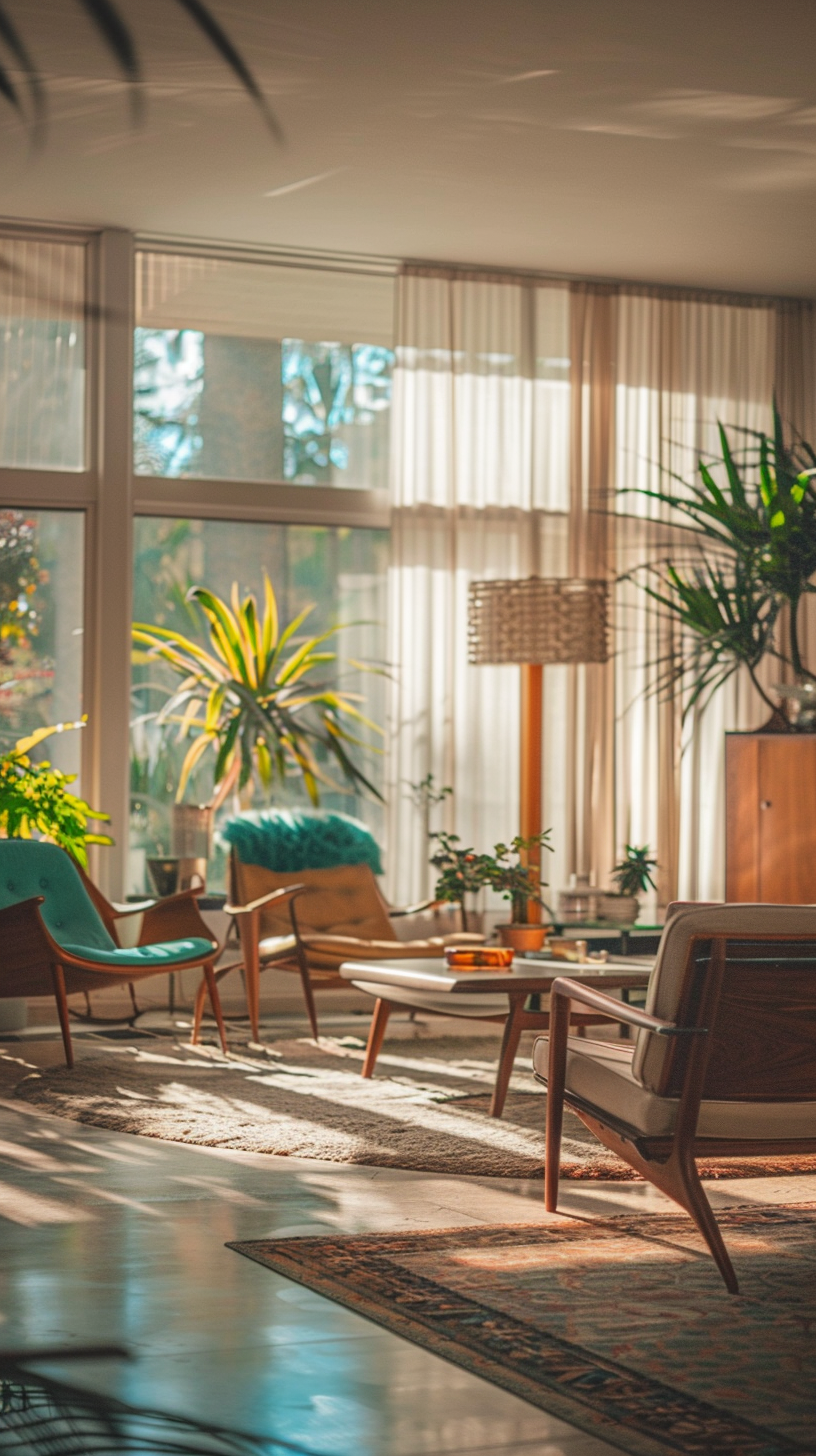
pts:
pixel 107 1237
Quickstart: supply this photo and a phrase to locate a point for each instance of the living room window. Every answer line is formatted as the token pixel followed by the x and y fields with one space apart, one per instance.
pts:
pixel 42 355
pixel 46 488
pixel 259 372
pixel 41 628
pixel 338 570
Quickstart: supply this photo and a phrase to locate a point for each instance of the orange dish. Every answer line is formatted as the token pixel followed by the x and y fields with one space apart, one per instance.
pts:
pixel 479 958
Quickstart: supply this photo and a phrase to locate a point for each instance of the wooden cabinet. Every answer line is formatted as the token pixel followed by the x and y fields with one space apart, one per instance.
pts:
pixel 770 826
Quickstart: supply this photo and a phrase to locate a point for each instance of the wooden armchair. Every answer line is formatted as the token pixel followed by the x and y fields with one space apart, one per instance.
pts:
pixel 310 922
pixel 724 1063
pixel 55 929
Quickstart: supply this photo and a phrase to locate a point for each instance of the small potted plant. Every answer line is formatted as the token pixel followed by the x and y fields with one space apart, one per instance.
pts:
pixel 461 872
pixel 632 877
pixel 507 872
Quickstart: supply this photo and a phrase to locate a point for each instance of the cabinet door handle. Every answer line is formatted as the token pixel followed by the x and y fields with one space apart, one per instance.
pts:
pixel 764 803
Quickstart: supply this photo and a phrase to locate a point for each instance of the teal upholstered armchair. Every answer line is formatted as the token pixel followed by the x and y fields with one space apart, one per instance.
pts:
pixel 56 941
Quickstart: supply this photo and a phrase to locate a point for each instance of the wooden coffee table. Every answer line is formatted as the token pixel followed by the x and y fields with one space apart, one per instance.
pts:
pixel 430 985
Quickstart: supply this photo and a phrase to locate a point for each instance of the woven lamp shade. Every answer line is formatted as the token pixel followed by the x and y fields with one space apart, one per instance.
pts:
pixel 538 619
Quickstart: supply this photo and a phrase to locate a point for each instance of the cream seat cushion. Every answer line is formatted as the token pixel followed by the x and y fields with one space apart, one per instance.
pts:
pixel 601 1074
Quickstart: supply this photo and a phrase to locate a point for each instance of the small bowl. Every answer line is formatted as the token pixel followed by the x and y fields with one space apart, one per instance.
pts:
pixel 479 958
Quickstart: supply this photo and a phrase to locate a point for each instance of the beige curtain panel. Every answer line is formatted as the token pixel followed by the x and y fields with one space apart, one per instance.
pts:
pixel 526 415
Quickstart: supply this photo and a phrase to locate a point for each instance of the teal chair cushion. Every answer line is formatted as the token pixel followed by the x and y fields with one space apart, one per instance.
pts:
pixel 27 868
pixel 163 953
pixel 288 840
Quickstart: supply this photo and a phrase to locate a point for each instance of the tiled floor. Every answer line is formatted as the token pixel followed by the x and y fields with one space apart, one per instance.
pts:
pixel 106 1237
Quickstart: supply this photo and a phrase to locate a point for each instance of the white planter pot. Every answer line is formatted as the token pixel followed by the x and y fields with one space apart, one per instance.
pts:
pixel 13 1013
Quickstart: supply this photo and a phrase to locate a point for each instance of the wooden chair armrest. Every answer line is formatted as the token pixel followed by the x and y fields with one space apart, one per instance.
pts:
pixel 275 897
pixel 396 911
pixel 619 1010
pixel 148 904
pixel 173 919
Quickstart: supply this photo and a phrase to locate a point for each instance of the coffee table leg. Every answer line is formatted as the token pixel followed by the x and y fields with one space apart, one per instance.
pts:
pixel 376 1035
pixel 513 1027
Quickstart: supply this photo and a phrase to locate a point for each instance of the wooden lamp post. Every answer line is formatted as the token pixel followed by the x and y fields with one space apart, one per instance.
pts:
pixel 531 622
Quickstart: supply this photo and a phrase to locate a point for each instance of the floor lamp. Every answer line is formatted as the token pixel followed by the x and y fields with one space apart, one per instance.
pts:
pixel 531 622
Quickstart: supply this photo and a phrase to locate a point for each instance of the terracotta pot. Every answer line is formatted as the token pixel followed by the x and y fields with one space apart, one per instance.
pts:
pixel 522 937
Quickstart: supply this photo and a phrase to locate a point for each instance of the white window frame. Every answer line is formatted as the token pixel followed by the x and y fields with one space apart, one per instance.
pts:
pixel 110 495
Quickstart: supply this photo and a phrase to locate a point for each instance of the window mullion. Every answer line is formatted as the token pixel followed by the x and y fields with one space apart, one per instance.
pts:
pixel 111 553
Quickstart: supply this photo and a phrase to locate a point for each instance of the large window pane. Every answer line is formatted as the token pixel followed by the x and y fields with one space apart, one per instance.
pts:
pixel 254 371
pixel 338 569
pixel 42 355
pixel 41 605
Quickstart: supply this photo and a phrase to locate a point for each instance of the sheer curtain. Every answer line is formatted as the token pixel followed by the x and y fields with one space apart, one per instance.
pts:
pixel 480 455
pixel 682 365
pixel 524 416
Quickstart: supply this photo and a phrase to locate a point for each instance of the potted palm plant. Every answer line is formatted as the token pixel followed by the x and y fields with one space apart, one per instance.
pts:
pixel 750 523
pixel 632 877
pixel 259 697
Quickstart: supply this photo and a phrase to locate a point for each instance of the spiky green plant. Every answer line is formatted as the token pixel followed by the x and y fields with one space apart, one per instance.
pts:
pixel 753 551
pixel 633 874
pixel 255 697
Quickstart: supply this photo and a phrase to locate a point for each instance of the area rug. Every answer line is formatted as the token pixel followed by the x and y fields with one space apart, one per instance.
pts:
pixel 426 1109
pixel 621 1327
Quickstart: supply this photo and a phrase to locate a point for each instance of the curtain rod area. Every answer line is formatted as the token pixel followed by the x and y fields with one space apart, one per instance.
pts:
pixel 386 266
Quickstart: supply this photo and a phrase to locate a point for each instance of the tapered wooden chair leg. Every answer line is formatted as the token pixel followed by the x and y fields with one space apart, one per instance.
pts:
pixel 507 1055
pixel 308 996
pixel 249 932
pixel 376 1035
pixel 198 1010
pixel 58 977
pixel 693 1199
pixel 133 1001
pixel 305 978
pixel 556 1078
pixel 215 1002
pixel 253 991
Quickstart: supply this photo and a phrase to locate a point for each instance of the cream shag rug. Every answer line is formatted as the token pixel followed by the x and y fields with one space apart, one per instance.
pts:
pixel 426 1108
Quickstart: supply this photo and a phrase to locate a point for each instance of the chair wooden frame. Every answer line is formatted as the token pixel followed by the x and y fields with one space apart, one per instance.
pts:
pixel 34 964
pixel 295 958
pixel 248 918
pixel 667 1162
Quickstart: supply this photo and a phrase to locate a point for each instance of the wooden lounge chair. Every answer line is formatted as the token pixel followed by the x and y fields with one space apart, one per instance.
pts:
pixel 310 922
pixel 724 1063
pixel 56 941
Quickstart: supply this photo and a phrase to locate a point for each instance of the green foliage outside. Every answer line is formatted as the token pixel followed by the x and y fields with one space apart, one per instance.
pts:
pixel 35 800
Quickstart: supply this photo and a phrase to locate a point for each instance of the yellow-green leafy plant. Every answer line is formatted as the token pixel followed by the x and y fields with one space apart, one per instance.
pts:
pixel 35 799
pixel 261 697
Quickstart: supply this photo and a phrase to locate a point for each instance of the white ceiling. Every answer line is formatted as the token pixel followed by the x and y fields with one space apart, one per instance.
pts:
pixel 641 139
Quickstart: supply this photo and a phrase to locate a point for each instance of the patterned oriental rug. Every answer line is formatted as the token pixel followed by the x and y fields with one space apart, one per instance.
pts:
pixel 426 1108
pixel 622 1328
